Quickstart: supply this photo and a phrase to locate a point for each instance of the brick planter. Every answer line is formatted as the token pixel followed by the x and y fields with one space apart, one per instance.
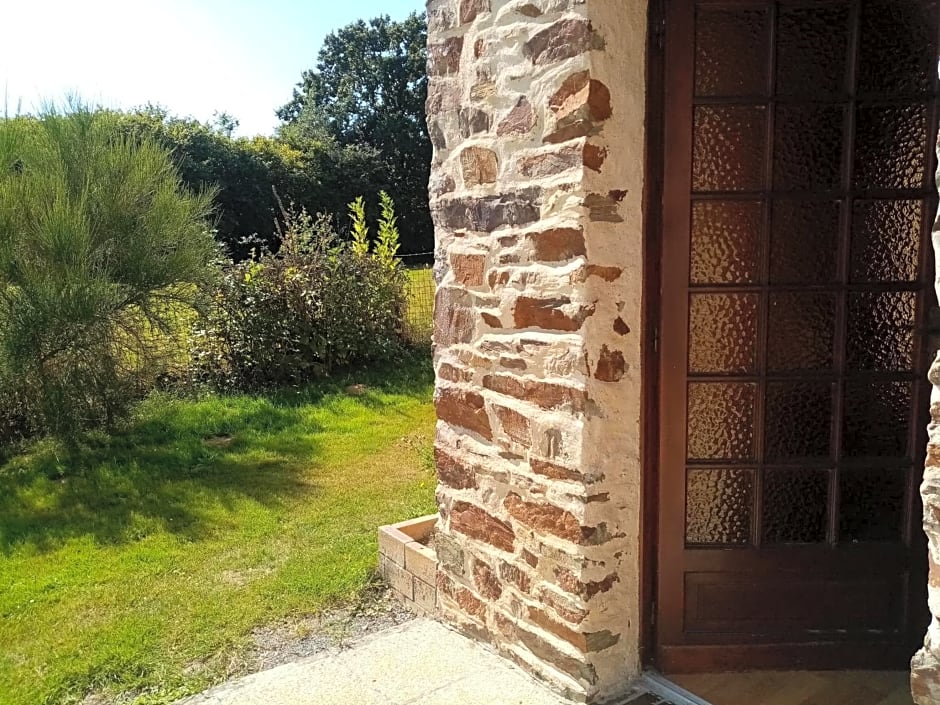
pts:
pixel 409 564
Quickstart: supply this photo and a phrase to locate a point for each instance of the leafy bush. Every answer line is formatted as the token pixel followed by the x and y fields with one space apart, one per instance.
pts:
pixel 317 305
pixel 99 245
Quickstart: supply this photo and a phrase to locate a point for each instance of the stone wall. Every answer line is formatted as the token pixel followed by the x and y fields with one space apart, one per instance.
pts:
pixel 536 110
pixel 925 667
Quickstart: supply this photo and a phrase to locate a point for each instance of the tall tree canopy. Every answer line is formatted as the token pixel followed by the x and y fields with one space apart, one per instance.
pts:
pixel 368 89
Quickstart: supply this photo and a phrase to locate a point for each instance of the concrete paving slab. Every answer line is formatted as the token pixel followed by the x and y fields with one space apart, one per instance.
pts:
pixel 421 662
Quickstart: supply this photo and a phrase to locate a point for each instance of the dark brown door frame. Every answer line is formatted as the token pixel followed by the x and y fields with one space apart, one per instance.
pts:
pixel 654 208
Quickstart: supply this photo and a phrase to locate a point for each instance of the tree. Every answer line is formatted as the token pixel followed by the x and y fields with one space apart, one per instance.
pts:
pixel 242 171
pixel 369 89
pixel 101 247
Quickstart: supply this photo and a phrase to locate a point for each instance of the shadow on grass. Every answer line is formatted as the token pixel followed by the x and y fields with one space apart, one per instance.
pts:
pixel 179 463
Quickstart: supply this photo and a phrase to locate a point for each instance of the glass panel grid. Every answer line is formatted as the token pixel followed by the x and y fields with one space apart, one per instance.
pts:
pixel 848 224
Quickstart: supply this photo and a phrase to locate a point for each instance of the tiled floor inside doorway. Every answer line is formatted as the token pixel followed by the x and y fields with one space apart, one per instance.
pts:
pixel 800 687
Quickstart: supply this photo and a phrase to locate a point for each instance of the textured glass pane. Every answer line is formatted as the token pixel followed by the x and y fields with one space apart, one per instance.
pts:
pixel 722 332
pixel 795 506
pixel 812 50
pixel 718 506
pixel 881 330
pixel 891 146
pixel 800 331
pixel 721 421
pixel 804 242
pixel 723 38
pixel 728 148
pixel 876 419
pixel 798 419
pixel 725 237
pixel 886 240
pixel 871 504
pixel 897 48
pixel 808 147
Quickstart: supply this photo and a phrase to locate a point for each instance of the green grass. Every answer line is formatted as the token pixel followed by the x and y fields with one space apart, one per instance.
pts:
pixel 141 561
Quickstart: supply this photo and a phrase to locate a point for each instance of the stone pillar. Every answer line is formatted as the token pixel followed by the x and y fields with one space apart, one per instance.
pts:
pixel 536 110
pixel 925 667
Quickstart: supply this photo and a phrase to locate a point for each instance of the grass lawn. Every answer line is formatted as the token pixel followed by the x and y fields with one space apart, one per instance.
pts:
pixel 141 561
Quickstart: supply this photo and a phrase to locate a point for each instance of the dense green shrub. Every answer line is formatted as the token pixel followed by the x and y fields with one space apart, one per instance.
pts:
pixel 316 305
pixel 100 246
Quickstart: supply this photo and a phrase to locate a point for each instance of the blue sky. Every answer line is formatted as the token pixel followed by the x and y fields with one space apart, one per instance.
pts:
pixel 192 56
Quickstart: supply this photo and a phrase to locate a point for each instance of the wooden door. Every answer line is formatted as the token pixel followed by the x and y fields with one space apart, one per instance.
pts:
pixel 798 203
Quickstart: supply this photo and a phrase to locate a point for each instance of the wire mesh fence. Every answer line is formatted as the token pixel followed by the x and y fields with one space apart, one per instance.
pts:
pixel 420 289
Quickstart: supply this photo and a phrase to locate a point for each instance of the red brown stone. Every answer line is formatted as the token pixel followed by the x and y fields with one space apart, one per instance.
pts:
pixel 491 320
pixel 468 269
pixel 530 312
pixel 602 209
pixel 513 424
pixel 463 408
pixel 453 316
pixel 486 581
pixel 580 105
pixel 550 163
pixel 584 642
pixel 579 93
pixel 553 470
pixel 576 668
pixel 449 373
pixel 519 121
pixel 516 576
pixel 454 473
pixel 444 57
pixel 620 326
pixel 546 395
pixel 475 522
pixel 469 9
pixel 479 166
pixel 611 366
pixel 569 582
pixel 544 517
pixel 561 40
pixel 558 244
pixel 470 603
pixel 608 274
pixel 565 609
pixel 594 156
